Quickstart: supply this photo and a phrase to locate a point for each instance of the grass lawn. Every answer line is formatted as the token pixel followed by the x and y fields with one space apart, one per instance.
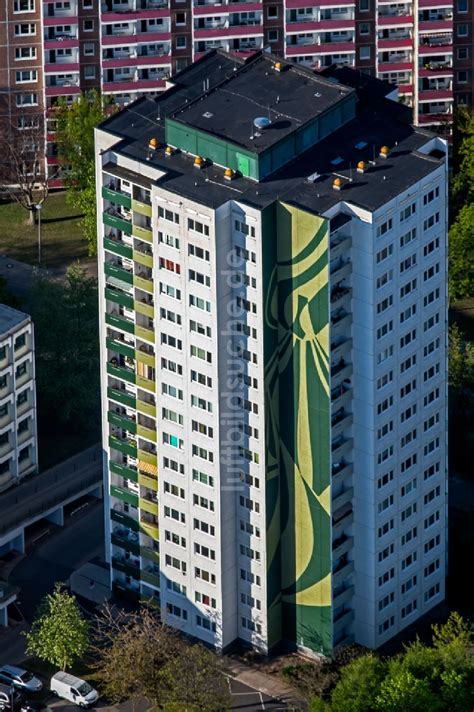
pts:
pixel 61 235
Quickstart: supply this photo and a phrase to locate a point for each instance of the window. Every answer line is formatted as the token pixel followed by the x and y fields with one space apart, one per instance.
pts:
pixel 386 625
pixel 24 454
pixel 462 30
pixel 199 227
pixel 407 212
pixel 272 12
pixel 168 215
pixel 462 77
pixel 24 6
pixel 386 601
pixel 385 479
pixel 244 228
pixel 180 18
pixel 89 72
pixel 462 5
pixel 364 5
pixel 383 254
pixel 432 592
pixel 410 486
pixel 386 576
pixel 431 195
pixel 198 277
pixel 387 225
pixel 409 462
pixel 87 4
pixel 27 99
pixel 385 528
pixel 431 471
pixel 407 288
pixel 410 535
pixel 364 28
pixel 88 49
pixel 385 329
pixel 88 25
pixel 432 220
pixel 273 36
pixel 25 53
pixel 26 28
pixel 407 263
pixel 409 608
pixel 431 272
pixel 20 341
pixel 385 553
pixel 170 240
pixel 385 354
pixel 407 313
pixel 364 53
pixel 199 303
pixel 384 279
pixel 463 53
pixel 181 42
pixel 408 237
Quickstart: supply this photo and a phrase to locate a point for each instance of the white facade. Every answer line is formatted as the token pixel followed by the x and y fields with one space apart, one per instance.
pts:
pixel 18 439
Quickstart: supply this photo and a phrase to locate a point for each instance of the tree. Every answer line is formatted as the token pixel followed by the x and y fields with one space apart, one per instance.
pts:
pixel 461 251
pixel 460 359
pixel 402 691
pixel 138 656
pixel 358 685
pixel 67 356
pixel 75 140
pixel 25 177
pixel 59 634
pixel 462 184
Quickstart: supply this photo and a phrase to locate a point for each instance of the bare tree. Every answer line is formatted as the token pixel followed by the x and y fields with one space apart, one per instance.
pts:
pixel 24 177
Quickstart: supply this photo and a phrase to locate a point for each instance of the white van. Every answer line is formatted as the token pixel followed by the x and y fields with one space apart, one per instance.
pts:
pixel 73 689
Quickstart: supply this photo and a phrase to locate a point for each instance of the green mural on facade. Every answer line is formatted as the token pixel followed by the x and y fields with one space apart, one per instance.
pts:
pixel 295 253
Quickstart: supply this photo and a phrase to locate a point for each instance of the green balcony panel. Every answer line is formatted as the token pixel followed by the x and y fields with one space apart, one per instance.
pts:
pixel 118 297
pixel 122 446
pixel 145 309
pixel 125 567
pixel 143 259
pixel 147 481
pixel 145 334
pixel 122 373
pixel 118 272
pixel 124 495
pixel 142 283
pixel 124 520
pixel 151 578
pixel 123 471
pixel 148 457
pixel 147 433
pixel 119 223
pixel 132 546
pixel 142 233
pixel 120 322
pixel 149 554
pixel 147 408
pixel 142 357
pixel 122 591
pixel 118 248
pixel 145 383
pixel 142 208
pixel 116 197
pixel 121 396
pixel 122 422
pixel 120 348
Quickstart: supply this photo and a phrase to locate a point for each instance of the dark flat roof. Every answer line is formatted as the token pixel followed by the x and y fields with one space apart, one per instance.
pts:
pixel 289 98
pixel 376 124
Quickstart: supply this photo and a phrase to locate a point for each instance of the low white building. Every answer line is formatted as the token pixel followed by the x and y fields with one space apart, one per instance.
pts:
pixel 272 268
pixel 18 438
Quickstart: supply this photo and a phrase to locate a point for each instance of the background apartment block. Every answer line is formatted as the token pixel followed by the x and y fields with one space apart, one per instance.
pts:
pixel 273 336
pixel 52 48
pixel 18 440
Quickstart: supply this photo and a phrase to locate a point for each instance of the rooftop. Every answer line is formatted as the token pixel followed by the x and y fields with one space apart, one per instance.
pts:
pixel 307 180
pixel 288 99
pixel 10 319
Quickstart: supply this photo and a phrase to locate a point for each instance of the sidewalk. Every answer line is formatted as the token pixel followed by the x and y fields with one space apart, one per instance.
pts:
pixel 266 684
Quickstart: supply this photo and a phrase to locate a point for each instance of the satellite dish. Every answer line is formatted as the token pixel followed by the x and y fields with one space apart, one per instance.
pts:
pixel 261 122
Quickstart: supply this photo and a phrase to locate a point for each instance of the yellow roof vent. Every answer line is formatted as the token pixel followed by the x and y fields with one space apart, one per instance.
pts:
pixel 278 66
pixel 337 183
pixel 384 151
pixel 229 174
pixel 361 167
pixel 198 162
pixel 153 144
pixel 169 150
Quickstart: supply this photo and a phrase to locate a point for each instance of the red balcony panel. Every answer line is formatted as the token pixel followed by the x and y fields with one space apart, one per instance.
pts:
pixel 316 26
pixel 336 47
pixel 118 39
pixel 295 4
pixel 215 10
pixel 405 88
pixel 396 44
pixel 50 21
pixel 436 25
pixel 51 137
pixel 236 31
pixel 447 72
pixel 135 15
pixel 435 3
pixel 245 7
pixel 133 86
pixel 435 49
pixel 436 95
pixel 199 55
pixel 395 66
pixel 61 44
pixel 56 183
pixel 61 68
pixel 61 91
pixel 150 61
pixel 153 37
pixel 52 160
pixel 303 49
pixel 435 118
pixel 389 20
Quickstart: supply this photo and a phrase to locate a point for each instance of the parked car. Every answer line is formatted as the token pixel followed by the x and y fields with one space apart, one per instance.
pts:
pixel 6 696
pixel 73 689
pixel 34 706
pixel 23 679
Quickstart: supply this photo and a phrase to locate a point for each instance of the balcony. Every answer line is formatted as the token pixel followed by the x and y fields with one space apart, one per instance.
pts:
pixel 146 433
pixel 124 495
pixel 147 504
pixel 340 421
pixel 145 334
pixel 340 295
pixel 149 525
pixel 128 566
pixel 146 383
pixel 122 421
pixel 142 233
pixel 147 481
pixel 145 307
pixel 126 590
pixel 112 192
pixel 113 218
pixel 340 447
pixel 120 395
pixel 123 471
pixel 151 575
pixel 118 247
pixel 341 396
pixel 127 446
pixel 117 296
pixel 342 545
pixel 341 349
pixel 146 408
pixel 342 518
pixel 143 257
pixel 143 282
pixel 342 619
pixel 142 208
pixel 123 519
pixel 149 553
pixel 340 269
pixel 340 324
pixel 342 570
pixel 340 244
pixel 116 269
pixel 341 471
pixel 342 498
pixel 126 539
pixel 120 322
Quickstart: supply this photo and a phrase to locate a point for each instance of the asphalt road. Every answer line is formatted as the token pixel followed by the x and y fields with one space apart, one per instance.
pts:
pixel 56 555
